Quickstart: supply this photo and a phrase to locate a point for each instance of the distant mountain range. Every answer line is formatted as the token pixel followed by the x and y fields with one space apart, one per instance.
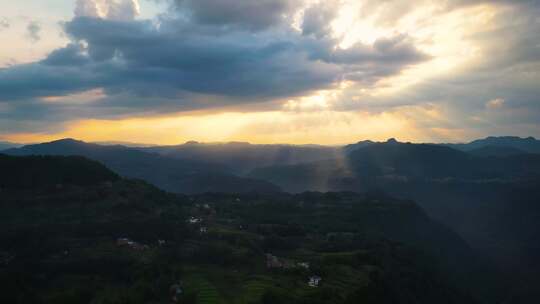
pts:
pixel 175 175
pixel 239 167
pixel 243 157
pixel 529 144
pixel 496 146
pixel 123 143
pixel 7 145
pixel 370 164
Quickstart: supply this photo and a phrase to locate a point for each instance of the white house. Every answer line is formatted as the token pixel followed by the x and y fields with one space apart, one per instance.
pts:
pixel 314 281
pixel 194 220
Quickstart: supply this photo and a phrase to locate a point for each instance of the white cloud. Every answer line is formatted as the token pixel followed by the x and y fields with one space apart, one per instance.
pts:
pixel 121 10
pixel 87 8
pixel 496 103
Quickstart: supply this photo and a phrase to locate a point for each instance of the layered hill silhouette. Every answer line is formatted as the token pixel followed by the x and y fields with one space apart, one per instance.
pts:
pixel 7 145
pixel 374 164
pixel 243 157
pixel 491 200
pixel 529 144
pixel 175 175
pixel 515 143
pixel 35 172
pixel 496 151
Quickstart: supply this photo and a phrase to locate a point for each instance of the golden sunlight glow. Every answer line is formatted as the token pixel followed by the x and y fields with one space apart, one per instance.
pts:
pixel 318 101
pixel 448 41
pixel 323 127
pixel 450 38
pixel 354 28
pixel 446 38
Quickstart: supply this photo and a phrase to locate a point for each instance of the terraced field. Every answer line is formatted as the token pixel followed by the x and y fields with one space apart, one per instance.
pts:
pixel 206 291
pixel 253 290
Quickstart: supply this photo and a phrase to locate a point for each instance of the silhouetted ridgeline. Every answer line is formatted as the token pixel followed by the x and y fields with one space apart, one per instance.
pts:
pixel 244 157
pixel 171 174
pixel 7 145
pixel 32 172
pixel 529 144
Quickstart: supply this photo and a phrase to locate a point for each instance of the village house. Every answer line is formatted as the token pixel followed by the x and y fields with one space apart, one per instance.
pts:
pixel 314 281
pixel 176 291
pixel 194 220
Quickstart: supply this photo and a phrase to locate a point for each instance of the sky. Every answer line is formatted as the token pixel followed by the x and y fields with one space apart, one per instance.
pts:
pixel 268 71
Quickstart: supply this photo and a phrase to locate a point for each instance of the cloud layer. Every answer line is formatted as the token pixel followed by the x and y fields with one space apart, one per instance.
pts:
pixel 250 15
pixel 162 66
pixel 121 10
pixel 372 56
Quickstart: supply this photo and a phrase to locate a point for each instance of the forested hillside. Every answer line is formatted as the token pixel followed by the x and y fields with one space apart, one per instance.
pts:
pixel 125 241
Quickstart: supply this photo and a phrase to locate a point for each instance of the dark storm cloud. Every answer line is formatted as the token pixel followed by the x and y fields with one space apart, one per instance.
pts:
pixel 71 55
pixel 140 59
pixel 318 18
pixel 136 56
pixel 224 53
pixel 395 51
pixel 251 15
pixel 40 80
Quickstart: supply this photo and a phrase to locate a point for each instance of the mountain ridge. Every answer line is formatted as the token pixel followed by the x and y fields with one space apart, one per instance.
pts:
pixel 175 175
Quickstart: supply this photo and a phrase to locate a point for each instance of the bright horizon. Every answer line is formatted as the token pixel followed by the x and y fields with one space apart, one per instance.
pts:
pixel 149 144
pixel 267 72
